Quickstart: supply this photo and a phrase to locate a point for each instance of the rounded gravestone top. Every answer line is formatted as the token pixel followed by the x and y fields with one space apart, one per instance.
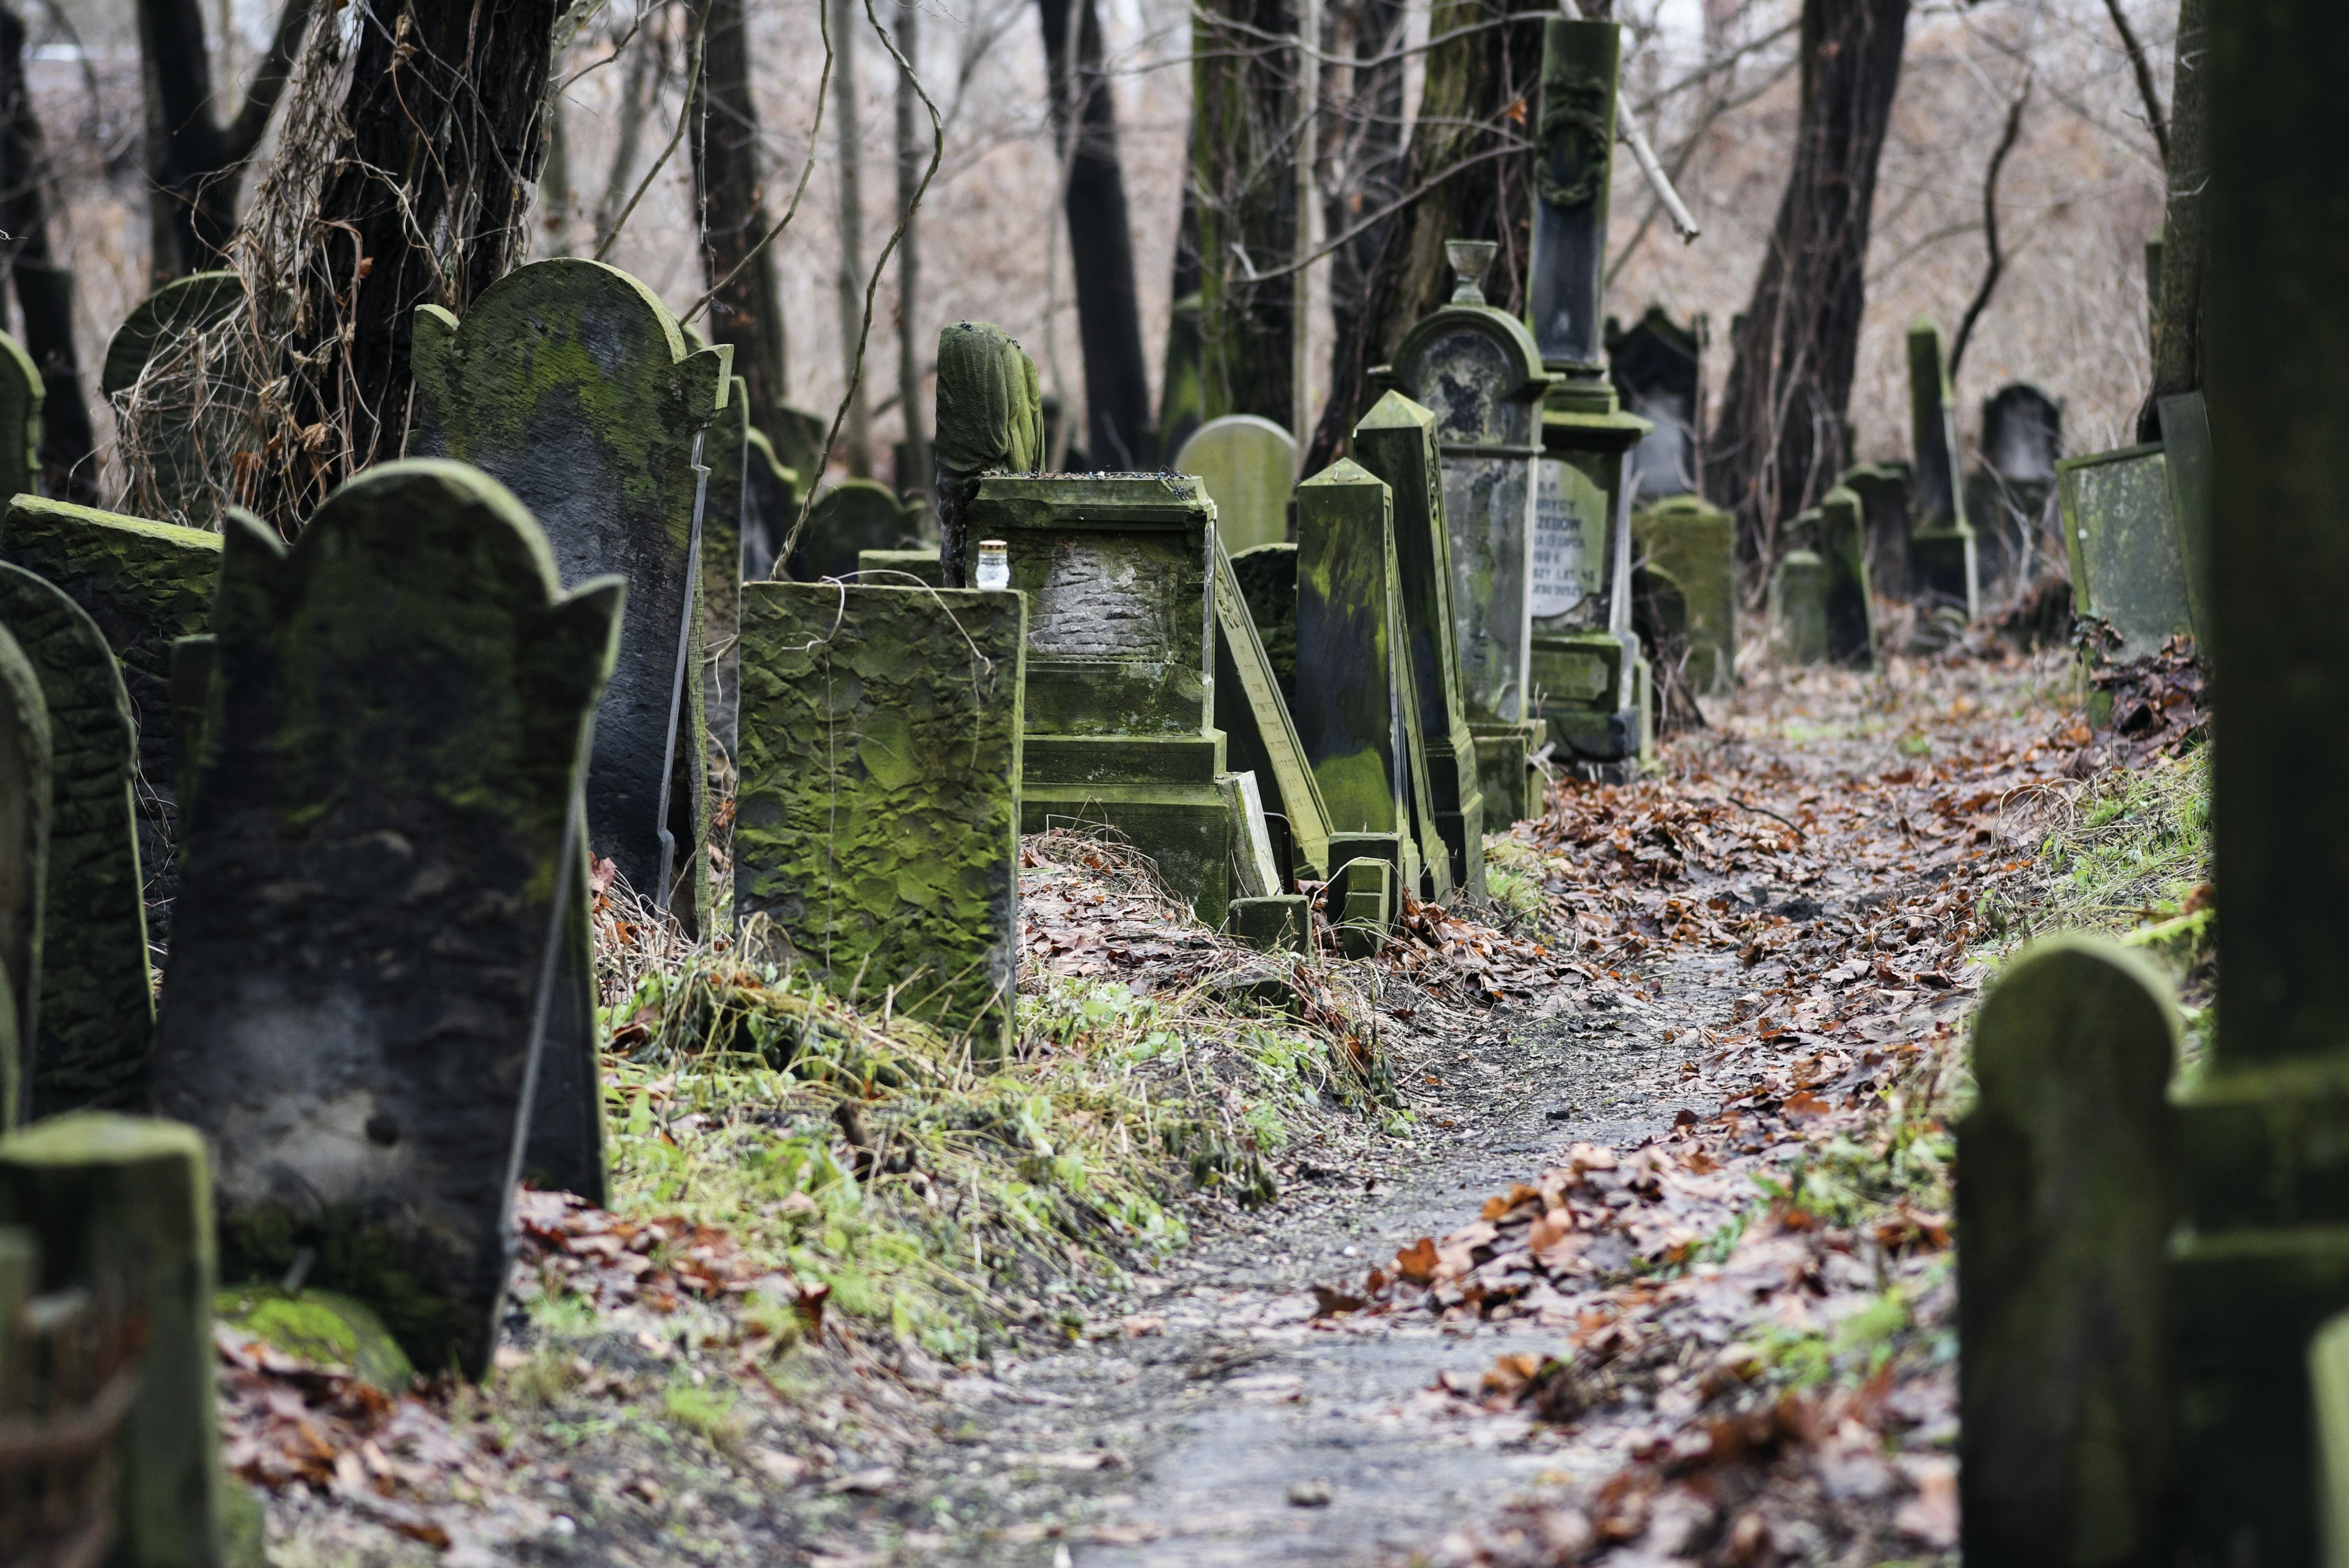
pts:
pixel 1248 465
pixel 179 308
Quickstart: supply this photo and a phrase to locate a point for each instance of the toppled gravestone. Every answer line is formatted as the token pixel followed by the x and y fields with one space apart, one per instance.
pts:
pixel 2065 1182
pixel 569 383
pixel 145 585
pixel 25 820
pixel 876 830
pixel 1119 711
pixel 95 1020
pixel 2128 570
pixel 120 1210
pixel 1396 442
pixel 381 862
pixel 1249 467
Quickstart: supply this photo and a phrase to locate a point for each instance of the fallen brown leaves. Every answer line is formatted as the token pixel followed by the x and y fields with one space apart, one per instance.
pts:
pixel 565 1244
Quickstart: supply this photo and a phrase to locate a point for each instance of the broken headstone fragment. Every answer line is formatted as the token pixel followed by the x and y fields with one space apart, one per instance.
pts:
pixel 381 860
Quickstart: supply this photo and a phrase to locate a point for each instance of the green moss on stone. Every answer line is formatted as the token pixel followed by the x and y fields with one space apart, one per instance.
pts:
pixel 322 1327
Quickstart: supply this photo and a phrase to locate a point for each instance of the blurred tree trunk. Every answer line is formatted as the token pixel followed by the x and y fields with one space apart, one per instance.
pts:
pixel 1782 432
pixel 2178 313
pixel 856 429
pixel 195 164
pixel 1366 164
pixel 748 311
pixel 422 202
pixel 1243 130
pixel 555 194
pixel 44 289
pixel 1470 153
pixel 639 87
pixel 1179 398
pixel 916 475
pixel 1101 240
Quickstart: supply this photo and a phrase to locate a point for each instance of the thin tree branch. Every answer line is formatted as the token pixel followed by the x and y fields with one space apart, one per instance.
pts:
pixel 684 115
pixel 269 79
pixel 1989 228
pixel 2143 66
pixel 815 141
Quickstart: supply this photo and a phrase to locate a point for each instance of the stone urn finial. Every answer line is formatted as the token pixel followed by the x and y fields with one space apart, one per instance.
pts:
pixel 1470 259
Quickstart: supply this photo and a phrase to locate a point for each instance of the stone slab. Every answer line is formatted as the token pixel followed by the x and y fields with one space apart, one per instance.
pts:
pixel 1247 466
pixel 1260 732
pixel 1695 544
pixel 2127 568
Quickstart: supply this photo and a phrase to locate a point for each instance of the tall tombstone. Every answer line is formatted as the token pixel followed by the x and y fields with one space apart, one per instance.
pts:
pixel 1841 540
pixel 1477 369
pixel 25 820
pixel 727 455
pixel 1883 489
pixel 146 584
pixel 852 518
pixel 95 1020
pixel 1357 694
pixel 1119 702
pixel 178 407
pixel 2261 1260
pixel 21 397
pixel 381 861
pixel 2065 1177
pixel 877 826
pixel 2187 456
pixel 1583 641
pixel 569 383
pixel 1943 551
pixel 989 419
pixel 1396 440
pixel 2127 569
pixel 1248 465
pixel 1695 543
pixel 1259 731
pixel 1655 368
pixel 2007 497
pixel 120 1208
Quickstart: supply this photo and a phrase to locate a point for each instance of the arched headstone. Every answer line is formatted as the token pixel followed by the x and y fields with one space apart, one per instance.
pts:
pixel 852 518
pixel 178 412
pixel 1654 367
pixel 380 860
pixel 1696 543
pixel 1249 466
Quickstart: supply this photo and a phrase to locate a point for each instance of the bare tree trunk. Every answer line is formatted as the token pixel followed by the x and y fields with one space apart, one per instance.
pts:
pixel 1473 167
pixel 422 203
pixel 747 312
pixel 1179 398
pixel 1242 175
pixel 639 86
pixel 1101 241
pixel 44 289
pixel 916 475
pixel 1366 164
pixel 2178 313
pixel 194 163
pixel 554 191
pixel 848 17
pixel 1781 436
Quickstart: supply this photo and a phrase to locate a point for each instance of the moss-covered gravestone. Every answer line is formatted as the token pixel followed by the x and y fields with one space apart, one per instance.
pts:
pixel 380 860
pixel 1261 733
pixel 24 821
pixel 96 1013
pixel 1120 710
pixel 2187 456
pixel 900 568
pixel 180 412
pixel 1840 537
pixel 853 516
pixel 1396 442
pixel 1883 492
pixel 2007 496
pixel 145 585
pixel 1357 698
pixel 1943 553
pixel 2127 568
pixel 1694 542
pixel 877 831
pixel 1798 608
pixel 21 395
pixel 771 504
pixel 1248 465
pixel 120 1208
pixel 989 419
pixel 570 384
pixel 2066 1169
pixel 1266 576
pixel 726 453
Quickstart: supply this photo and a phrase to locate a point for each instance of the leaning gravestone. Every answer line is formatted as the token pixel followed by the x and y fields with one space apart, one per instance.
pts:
pixel 25 822
pixel 2126 570
pixel 570 384
pixel 1396 441
pixel 1261 733
pixel 1120 706
pixel 120 1209
pixel 2065 1175
pixel 146 584
pixel 1695 544
pixel 1654 367
pixel 180 408
pixel 1249 466
pixel 1358 706
pixel 853 516
pixel 381 863
pixel 877 825
pixel 97 1016
pixel 989 421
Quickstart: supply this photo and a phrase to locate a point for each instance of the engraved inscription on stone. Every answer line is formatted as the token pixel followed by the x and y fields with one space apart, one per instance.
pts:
pixel 1569 538
pixel 1106 599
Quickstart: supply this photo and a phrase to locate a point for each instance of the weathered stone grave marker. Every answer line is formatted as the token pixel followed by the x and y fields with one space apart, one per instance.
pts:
pixel 1798 608
pixel 570 384
pixel 1268 582
pixel 1249 466
pixel 990 421
pixel 21 397
pixel 771 504
pixel 877 832
pixel 2007 496
pixel 180 408
pixel 1587 658
pixel 1119 575
pixel 381 870
pixel 2126 570
pixel 1841 539
pixel 24 821
pixel 1883 491
pixel 1396 441
pixel 726 453
pixel 1655 370
pixel 853 516
pixel 95 1019
pixel 893 568
pixel 1695 544
pixel 1261 733
pixel 2186 456
pixel 2064 1178
pixel 1944 553
pixel 119 1208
